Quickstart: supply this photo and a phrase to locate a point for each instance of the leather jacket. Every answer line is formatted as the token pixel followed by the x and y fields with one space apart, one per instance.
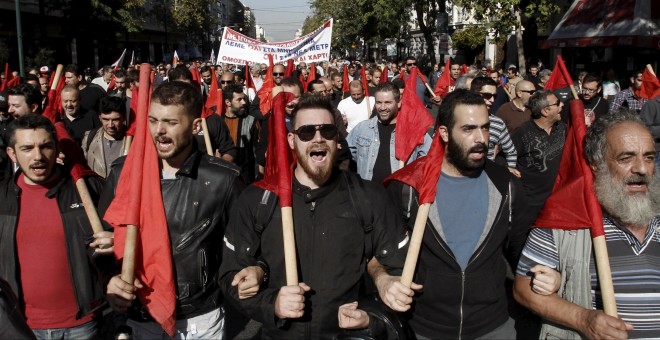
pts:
pixel 196 203
pixel 77 231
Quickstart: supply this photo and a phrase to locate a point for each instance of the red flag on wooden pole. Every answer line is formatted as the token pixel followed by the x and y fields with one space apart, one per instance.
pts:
pixel 249 82
pixel 384 74
pixel 363 79
pixel 344 87
pixel 265 92
pixel 650 85
pixel 212 99
pixel 412 121
pixel 445 81
pixel 560 76
pixel 290 67
pixel 139 203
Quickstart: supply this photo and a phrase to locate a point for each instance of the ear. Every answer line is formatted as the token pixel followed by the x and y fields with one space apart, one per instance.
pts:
pixel 197 125
pixel 34 108
pixel 290 138
pixel 227 102
pixel 444 133
pixel 11 154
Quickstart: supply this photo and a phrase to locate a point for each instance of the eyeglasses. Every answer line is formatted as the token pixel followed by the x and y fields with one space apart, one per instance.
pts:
pixel 411 64
pixel 528 91
pixel 588 90
pixel 555 104
pixel 226 81
pixel 488 96
pixel 278 74
pixel 307 132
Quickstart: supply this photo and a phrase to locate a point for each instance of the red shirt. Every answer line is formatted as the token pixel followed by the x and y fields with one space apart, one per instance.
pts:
pixel 44 266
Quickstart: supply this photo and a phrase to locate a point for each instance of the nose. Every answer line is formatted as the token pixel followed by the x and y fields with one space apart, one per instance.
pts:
pixel 482 136
pixel 641 166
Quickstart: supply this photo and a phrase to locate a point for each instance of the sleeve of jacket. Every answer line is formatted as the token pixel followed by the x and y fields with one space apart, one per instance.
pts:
pixel 390 238
pixel 522 218
pixel 241 249
pixel 222 138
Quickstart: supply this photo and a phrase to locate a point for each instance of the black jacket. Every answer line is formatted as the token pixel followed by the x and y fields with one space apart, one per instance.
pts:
pixel 331 249
pixel 456 304
pixel 88 289
pixel 196 204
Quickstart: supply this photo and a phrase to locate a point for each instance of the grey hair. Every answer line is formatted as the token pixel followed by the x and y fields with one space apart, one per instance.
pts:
pixel 538 101
pixel 595 143
pixel 461 82
pixel 544 72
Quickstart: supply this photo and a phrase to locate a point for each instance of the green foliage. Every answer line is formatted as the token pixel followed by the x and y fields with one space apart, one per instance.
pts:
pixel 43 57
pixel 470 37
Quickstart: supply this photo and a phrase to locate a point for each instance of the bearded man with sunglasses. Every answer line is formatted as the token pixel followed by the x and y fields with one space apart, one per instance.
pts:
pixel 540 143
pixel 333 245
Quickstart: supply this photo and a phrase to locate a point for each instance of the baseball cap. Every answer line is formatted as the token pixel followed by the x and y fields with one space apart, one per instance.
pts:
pixel 44 69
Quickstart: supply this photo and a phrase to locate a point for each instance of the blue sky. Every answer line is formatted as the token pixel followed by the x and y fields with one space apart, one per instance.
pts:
pixel 279 18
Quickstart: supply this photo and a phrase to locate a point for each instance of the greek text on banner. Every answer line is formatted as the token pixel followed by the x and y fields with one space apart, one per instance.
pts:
pixel 236 48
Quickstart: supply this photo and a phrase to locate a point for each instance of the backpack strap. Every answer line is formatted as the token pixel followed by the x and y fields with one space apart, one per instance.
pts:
pixel 265 210
pixel 90 138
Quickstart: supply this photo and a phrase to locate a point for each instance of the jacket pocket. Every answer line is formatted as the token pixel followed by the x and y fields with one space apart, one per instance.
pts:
pixel 193 234
pixel 363 147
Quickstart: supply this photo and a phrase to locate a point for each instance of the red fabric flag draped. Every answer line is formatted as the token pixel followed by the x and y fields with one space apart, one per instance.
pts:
pixel 344 87
pixel 412 122
pixel 8 77
pixel 249 82
pixel 464 69
pixel 312 73
pixel 75 158
pixel 265 92
pixel 560 76
pixel 279 157
pixel 383 75
pixel 363 79
pixel 290 67
pixel 58 96
pixel 133 111
pixel 212 99
pixel 197 78
pixel 445 81
pixel 650 86
pixel 573 203
pixel 424 172
pixel 138 201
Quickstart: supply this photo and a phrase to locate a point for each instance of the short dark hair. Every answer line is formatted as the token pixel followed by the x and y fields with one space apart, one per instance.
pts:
pixel 229 90
pixel 31 77
pixel 538 101
pixel 590 78
pixel 132 76
pixel 179 93
pixel 71 68
pixel 120 73
pixel 292 81
pixel 32 95
pixel 410 58
pixel 30 122
pixel 312 101
pixel 399 83
pixel 180 73
pixel 389 87
pixel 112 104
pixel 310 85
pixel 205 68
pixel 107 68
pixel 457 97
pixel 479 83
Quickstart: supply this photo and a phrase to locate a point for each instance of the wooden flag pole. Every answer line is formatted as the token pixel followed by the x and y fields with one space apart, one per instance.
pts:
pixel 508 94
pixel 207 138
pixel 130 245
pixel 650 68
pixel 604 276
pixel 127 144
pixel 290 262
pixel 415 245
pixel 56 77
pixel 368 107
pixel 88 204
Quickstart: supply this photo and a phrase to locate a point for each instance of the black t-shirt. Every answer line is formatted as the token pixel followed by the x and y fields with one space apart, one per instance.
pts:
pixel 596 108
pixel 382 167
pixel 85 120
pixel 90 97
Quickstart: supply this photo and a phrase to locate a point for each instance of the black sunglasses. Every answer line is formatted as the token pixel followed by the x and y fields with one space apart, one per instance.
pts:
pixel 411 64
pixel 488 96
pixel 226 81
pixel 278 74
pixel 528 91
pixel 307 132
pixel 557 104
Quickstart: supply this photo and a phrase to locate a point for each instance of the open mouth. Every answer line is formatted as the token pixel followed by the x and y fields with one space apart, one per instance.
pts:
pixel 163 144
pixel 38 169
pixel 318 155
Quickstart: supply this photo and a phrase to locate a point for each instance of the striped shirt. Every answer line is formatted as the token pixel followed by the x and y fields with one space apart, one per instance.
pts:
pixel 499 135
pixel 635 272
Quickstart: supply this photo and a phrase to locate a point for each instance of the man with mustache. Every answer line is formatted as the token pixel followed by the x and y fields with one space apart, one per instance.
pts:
pixel 103 145
pixel 332 246
pixel 476 224
pixel 242 130
pixel 620 152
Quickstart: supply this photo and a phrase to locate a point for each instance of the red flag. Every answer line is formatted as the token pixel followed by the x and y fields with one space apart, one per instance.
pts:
pixel 383 75
pixel 279 157
pixel 15 81
pixel 464 69
pixel 265 93
pixel 344 87
pixel 363 79
pixel 303 82
pixel 445 81
pixel 290 66
pixel 560 77
pixel 133 111
pixel 197 78
pixel 412 122
pixel 50 111
pixel 8 77
pixel 249 82
pixel 212 99
pixel 58 96
pixel 75 158
pixel 573 203
pixel 650 86
pixel 312 73
pixel 138 201
pixel 424 172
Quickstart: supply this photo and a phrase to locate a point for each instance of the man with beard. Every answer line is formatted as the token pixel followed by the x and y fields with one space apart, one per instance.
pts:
pixel 198 192
pixel 103 145
pixel 120 84
pixel 595 106
pixel 620 152
pixel 478 219
pixel 77 119
pixel 331 244
pixel 627 98
pixel 375 160
pixel 242 129
pixel 540 143
pixel 357 107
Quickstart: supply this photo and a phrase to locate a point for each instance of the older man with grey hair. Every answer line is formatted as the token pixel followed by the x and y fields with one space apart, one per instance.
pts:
pixel 621 152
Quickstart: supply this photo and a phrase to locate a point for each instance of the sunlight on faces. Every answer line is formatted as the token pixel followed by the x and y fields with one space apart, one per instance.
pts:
pixel 171 129
pixel 17 106
pixel 387 107
pixel 70 102
pixel 113 123
pixel 35 152
pixel 467 142
pixel 317 156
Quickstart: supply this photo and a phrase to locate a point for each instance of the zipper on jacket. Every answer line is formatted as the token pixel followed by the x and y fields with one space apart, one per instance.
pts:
pixel 460 327
pixel 191 235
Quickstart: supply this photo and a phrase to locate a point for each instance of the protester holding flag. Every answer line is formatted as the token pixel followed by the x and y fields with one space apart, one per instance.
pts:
pixel 358 107
pixel 619 151
pixel 650 113
pixel 46 236
pixel 198 192
pixel 477 218
pixel 340 222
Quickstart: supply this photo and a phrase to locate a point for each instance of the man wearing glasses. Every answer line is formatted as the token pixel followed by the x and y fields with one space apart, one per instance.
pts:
pixel 516 112
pixel 421 88
pixel 540 143
pixel 627 98
pixel 595 106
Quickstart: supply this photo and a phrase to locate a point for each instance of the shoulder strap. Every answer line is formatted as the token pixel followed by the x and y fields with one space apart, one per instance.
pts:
pixel 90 137
pixel 265 210
pixel 406 200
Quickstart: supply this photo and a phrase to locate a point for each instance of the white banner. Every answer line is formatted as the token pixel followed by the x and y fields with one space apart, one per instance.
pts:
pixel 314 47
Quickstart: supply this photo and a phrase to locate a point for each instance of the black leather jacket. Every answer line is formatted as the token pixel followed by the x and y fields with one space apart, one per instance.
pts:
pixel 196 204
pixel 77 231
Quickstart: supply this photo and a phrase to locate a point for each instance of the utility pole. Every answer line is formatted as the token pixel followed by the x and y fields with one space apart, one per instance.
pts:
pixel 19 36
